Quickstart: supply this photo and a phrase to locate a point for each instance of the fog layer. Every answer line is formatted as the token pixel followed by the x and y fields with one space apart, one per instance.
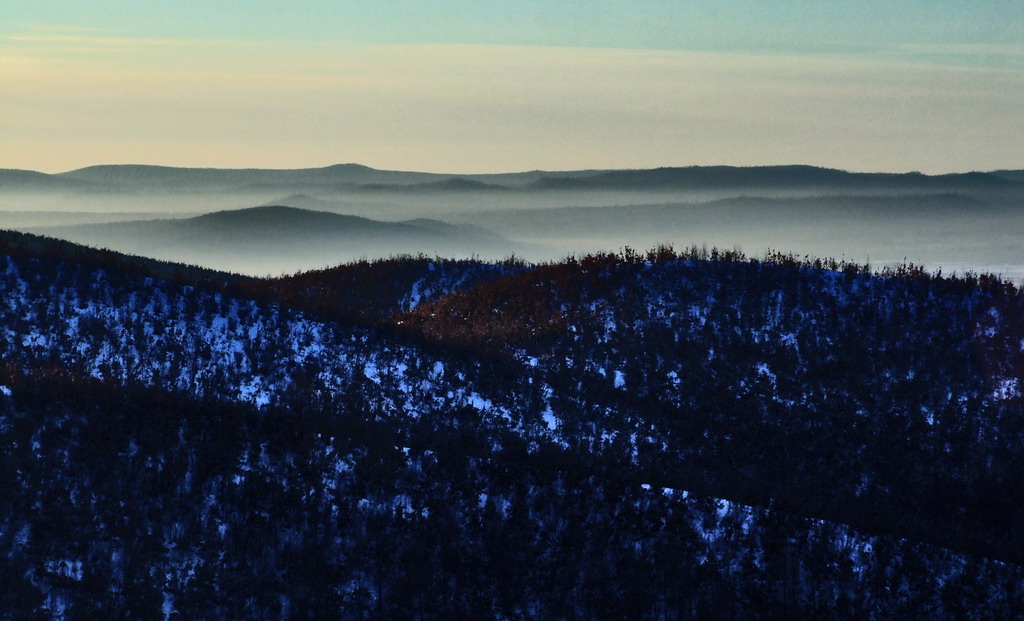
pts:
pixel 954 222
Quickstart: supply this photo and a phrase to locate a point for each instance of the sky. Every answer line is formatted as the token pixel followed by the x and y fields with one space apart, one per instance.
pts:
pixel 487 86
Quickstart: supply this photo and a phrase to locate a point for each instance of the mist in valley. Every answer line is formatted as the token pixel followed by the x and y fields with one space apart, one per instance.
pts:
pixel 264 222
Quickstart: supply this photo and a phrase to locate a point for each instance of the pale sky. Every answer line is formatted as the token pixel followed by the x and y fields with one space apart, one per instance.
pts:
pixel 499 85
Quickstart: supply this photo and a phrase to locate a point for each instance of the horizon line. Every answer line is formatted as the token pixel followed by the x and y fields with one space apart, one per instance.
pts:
pixel 515 172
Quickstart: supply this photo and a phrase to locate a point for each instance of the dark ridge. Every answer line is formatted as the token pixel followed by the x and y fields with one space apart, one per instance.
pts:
pixel 271 220
pixel 346 168
pixel 278 239
pixel 170 178
pixel 106 171
pixel 368 292
pixel 272 215
pixel 910 200
pixel 29 180
pixel 32 246
pixel 357 177
pixel 361 292
pixel 455 184
pixel 498 316
pixel 280 220
pixel 708 177
pixel 300 200
pixel 1010 175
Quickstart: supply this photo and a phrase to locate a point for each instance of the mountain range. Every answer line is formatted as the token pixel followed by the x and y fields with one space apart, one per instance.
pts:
pixel 355 177
pixel 969 221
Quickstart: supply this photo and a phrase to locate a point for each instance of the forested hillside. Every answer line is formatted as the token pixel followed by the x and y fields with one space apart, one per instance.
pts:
pixel 662 436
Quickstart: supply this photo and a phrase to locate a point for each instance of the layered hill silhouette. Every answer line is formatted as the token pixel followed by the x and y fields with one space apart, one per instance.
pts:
pixel 714 177
pixel 337 177
pixel 15 180
pixel 942 229
pixel 1012 175
pixel 176 178
pixel 737 211
pixel 958 221
pixel 279 239
pixel 355 177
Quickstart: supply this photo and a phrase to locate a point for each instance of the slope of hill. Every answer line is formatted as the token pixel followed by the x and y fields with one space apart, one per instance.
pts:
pixel 277 239
pixel 756 355
pixel 648 436
pixel 1012 175
pixel 301 201
pixel 13 180
pixel 33 219
pixel 607 221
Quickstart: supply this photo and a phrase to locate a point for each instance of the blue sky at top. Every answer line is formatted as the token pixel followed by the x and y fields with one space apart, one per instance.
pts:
pixel 795 26
pixel 478 86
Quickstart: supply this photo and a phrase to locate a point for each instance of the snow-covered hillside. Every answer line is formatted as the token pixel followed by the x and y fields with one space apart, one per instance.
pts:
pixel 431 439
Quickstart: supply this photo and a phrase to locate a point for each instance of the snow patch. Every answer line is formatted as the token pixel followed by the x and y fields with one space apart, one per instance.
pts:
pixel 620 379
pixel 414 295
pixel 168 605
pixel 479 402
pixel 371 372
pixel 1007 388
pixel 254 392
pixel 762 369
pixel 66 568
pixel 550 418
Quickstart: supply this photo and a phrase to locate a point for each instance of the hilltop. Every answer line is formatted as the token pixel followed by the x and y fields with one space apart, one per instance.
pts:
pixel 280 239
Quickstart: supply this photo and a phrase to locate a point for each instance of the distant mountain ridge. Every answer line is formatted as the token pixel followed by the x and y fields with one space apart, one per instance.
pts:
pixel 363 178
pixel 704 177
pixel 17 180
pixel 1012 175
pixel 152 177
